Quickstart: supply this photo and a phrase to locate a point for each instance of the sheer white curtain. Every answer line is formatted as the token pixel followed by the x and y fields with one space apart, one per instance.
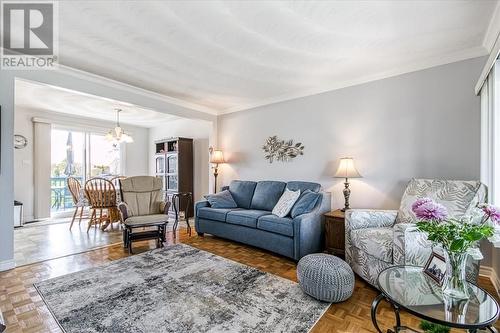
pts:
pixel 490 135
pixel 41 169
pixel 490 153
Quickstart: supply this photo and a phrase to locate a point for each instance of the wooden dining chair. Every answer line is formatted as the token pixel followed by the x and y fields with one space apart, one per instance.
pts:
pixel 102 197
pixel 80 200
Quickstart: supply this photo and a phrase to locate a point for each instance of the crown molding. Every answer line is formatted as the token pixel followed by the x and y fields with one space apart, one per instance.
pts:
pixel 408 68
pixel 491 42
pixel 493 30
pixel 133 89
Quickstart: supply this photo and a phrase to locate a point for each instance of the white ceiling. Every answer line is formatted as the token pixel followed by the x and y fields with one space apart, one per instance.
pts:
pixel 232 55
pixel 31 95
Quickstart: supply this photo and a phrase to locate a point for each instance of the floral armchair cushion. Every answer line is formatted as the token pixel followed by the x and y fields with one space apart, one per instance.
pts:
pixel 368 255
pixel 458 196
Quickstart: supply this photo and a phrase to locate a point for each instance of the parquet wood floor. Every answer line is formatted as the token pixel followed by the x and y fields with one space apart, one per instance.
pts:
pixel 25 312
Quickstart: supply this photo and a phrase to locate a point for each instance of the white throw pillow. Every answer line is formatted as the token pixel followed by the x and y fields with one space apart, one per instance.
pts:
pixel 286 202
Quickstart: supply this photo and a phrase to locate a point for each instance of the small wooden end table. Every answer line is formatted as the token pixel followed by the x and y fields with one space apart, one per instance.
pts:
pixel 335 232
pixel 176 200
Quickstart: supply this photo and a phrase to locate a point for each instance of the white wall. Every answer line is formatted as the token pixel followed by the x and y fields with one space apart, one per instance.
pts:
pixel 422 124
pixel 200 131
pixel 136 154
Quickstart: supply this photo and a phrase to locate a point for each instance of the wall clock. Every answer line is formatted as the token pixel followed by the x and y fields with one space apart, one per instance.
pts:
pixel 20 141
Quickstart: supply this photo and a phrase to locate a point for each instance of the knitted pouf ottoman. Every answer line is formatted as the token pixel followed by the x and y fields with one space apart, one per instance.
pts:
pixel 325 277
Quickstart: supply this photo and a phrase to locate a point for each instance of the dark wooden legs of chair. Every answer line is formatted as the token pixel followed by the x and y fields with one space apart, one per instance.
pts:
pixel 158 234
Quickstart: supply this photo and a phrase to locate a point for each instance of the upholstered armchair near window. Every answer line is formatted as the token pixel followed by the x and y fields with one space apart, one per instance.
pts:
pixel 142 200
pixel 377 239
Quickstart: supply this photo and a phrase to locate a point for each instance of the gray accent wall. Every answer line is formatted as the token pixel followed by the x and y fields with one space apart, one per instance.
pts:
pixel 423 124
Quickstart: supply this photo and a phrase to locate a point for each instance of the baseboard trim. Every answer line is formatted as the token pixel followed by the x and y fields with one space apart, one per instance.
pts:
pixel 7 264
pixel 490 273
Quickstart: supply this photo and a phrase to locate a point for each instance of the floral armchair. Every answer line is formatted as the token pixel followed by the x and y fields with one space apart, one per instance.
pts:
pixel 377 239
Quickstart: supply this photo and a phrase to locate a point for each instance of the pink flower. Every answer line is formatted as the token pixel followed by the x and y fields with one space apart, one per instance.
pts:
pixel 429 210
pixel 419 203
pixel 492 212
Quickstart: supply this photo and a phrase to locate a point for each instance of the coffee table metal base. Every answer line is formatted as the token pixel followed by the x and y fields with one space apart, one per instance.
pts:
pixel 398 328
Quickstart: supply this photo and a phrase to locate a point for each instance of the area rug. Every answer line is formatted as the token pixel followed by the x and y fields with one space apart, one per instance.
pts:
pixel 178 289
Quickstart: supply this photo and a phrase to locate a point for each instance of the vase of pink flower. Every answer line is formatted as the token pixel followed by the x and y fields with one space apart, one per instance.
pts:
pixel 458 237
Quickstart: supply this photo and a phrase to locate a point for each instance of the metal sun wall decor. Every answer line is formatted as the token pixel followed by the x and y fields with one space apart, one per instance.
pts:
pixel 281 150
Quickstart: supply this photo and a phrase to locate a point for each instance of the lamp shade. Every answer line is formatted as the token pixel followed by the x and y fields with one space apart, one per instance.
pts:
pixel 347 169
pixel 217 157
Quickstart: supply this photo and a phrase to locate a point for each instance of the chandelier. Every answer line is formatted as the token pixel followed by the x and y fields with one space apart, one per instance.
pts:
pixel 117 135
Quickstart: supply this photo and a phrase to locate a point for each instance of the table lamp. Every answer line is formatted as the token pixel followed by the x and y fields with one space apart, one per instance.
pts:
pixel 347 170
pixel 216 158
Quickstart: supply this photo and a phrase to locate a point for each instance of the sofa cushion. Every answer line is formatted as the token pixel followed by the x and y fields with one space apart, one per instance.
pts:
pixel 305 203
pixel 246 217
pixel 278 225
pixel 217 214
pixel 286 202
pixel 222 199
pixel 267 194
pixel 459 197
pixel 242 192
pixel 376 242
pixel 302 186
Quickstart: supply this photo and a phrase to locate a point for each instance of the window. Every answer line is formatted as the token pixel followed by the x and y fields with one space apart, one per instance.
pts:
pixel 82 155
pixel 104 157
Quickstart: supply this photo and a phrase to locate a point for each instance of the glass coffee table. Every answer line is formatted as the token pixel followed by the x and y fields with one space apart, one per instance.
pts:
pixel 409 288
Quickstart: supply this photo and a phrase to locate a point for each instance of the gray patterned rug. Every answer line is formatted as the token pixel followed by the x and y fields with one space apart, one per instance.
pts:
pixel 178 289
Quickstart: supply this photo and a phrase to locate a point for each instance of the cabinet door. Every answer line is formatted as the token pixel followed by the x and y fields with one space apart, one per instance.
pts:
pixel 160 164
pixel 172 183
pixel 172 163
pixel 335 235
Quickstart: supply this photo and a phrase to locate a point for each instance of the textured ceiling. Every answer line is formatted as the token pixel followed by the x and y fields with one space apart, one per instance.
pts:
pixel 37 96
pixel 231 55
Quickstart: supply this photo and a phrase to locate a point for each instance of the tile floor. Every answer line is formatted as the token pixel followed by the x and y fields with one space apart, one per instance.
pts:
pixel 52 239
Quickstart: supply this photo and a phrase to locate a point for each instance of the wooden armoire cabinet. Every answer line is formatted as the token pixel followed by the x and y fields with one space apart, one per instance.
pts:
pixel 174 164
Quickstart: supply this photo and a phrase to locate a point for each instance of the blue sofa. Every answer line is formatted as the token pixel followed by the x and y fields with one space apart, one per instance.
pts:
pixel 252 222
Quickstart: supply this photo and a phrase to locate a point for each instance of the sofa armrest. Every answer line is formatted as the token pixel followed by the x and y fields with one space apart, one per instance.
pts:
pixel 309 228
pixel 200 204
pixel 363 219
pixel 369 218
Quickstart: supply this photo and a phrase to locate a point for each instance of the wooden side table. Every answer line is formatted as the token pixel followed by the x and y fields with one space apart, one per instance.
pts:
pixel 335 232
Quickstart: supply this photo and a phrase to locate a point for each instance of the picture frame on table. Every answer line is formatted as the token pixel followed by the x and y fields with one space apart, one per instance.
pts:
pixel 436 267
